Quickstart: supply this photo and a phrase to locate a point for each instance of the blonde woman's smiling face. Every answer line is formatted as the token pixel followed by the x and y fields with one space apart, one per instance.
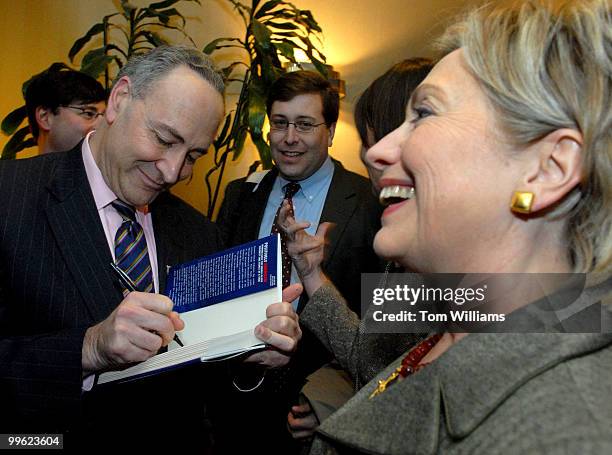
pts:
pixel 448 174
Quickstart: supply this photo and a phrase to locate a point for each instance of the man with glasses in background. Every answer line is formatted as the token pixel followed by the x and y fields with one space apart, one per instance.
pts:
pixel 63 105
pixel 303 110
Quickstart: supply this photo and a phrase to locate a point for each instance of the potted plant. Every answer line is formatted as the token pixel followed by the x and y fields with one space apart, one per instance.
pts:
pixel 273 30
pixel 129 31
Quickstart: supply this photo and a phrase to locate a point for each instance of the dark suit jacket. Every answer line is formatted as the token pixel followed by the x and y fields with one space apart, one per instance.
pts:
pixel 55 282
pixel 351 205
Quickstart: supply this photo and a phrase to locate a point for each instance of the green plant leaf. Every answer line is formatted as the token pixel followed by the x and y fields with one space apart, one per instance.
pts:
pixel 257 113
pixel 243 10
pixel 92 55
pixel 267 7
pixel 95 62
pixel 80 43
pixel 286 34
pixel 253 167
pixel 310 21
pixel 17 143
pixel 112 47
pixel 221 137
pixel 29 142
pixel 12 121
pixel 239 143
pixel 309 48
pixel 167 3
pixel 282 25
pixel 317 63
pixel 227 71
pixel 286 49
pixel 214 44
pixel 286 14
pixel 153 38
pixel 262 34
pixel 264 152
pixel 163 16
pixel 127 7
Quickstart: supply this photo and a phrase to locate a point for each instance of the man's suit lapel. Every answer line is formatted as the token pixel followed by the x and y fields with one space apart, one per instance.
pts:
pixel 255 205
pixel 168 242
pixel 76 226
pixel 340 203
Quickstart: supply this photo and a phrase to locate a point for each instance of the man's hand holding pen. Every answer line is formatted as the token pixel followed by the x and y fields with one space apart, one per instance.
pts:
pixel 135 331
pixel 144 322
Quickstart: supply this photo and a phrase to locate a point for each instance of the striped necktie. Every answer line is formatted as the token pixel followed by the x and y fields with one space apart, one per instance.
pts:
pixel 291 189
pixel 131 253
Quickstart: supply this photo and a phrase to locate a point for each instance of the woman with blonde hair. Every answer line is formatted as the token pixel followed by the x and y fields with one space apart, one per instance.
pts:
pixel 503 165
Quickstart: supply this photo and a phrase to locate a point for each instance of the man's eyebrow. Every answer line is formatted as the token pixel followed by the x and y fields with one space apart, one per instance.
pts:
pixel 85 105
pixel 299 117
pixel 170 130
pixel 177 136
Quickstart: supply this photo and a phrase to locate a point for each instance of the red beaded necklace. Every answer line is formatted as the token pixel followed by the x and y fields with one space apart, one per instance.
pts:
pixel 410 363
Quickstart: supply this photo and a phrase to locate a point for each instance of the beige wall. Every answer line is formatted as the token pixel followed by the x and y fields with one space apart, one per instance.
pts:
pixel 361 39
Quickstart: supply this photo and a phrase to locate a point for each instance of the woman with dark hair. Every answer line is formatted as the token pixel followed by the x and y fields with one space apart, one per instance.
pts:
pixel 382 106
pixel 379 110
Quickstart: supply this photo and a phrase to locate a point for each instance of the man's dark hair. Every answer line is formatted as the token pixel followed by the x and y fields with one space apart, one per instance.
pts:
pixel 382 106
pixel 60 86
pixel 290 85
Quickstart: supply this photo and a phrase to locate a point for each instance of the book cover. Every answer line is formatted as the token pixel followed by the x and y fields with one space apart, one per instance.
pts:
pixel 221 298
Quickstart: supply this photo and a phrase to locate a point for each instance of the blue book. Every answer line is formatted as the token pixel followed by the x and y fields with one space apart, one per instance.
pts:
pixel 221 298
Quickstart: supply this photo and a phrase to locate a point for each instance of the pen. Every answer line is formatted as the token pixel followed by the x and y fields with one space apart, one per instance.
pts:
pixel 130 286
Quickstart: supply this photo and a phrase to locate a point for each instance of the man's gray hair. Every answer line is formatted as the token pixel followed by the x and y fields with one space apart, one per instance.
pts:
pixel 144 70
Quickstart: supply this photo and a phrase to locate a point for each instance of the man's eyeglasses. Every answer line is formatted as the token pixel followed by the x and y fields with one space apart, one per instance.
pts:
pixel 86 112
pixel 301 126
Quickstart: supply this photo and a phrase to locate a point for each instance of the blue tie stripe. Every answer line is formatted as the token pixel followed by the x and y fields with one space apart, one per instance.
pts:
pixel 129 244
pixel 131 253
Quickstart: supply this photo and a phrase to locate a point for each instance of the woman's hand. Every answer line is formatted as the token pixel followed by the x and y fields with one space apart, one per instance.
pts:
pixel 307 252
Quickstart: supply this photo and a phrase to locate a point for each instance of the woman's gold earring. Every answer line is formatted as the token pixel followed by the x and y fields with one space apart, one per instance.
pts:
pixel 522 201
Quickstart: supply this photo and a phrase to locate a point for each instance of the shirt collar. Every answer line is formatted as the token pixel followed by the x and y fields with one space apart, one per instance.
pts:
pixel 102 194
pixel 313 185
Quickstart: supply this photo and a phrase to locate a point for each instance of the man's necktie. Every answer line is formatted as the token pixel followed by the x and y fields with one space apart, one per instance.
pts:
pixel 131 252
pixel 291 189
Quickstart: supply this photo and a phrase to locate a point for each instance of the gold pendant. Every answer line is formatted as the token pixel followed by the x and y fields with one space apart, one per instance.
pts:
pixel 383 383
